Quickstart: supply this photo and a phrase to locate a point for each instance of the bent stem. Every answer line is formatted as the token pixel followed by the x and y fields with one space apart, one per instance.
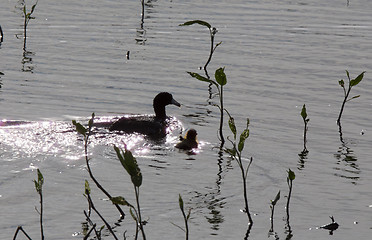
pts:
pixel 185 218
pixel 87 133
pixel 91 205
pixel 19 228
pixel 212 32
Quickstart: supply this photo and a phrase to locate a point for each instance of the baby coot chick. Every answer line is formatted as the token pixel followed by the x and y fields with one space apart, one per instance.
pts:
pixel 189 141
pixel 153 126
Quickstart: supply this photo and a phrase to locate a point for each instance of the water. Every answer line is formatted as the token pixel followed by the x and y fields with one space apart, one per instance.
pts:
pixel 278 56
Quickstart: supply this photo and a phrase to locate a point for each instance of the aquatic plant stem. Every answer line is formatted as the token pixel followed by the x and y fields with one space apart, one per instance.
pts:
pixel 221 116
pixel 185 218
pixel 19 228
pixel 352 83
pixel 289 199
pixel 245 192
pixel 305 140
pixel 86 133
pixel 291 176
pixel 211 51
pixel 122 214
pixel 343 104
pixel 136 189
pixel 41 215
pixel 102 218
pixel 24 34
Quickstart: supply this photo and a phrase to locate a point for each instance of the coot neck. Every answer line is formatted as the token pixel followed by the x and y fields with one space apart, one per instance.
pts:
pixel 160 112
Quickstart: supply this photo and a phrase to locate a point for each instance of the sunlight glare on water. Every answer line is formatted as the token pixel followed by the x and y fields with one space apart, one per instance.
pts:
pixel 99 56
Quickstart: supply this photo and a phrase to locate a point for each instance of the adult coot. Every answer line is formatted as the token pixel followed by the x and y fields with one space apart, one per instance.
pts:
pixel 152 126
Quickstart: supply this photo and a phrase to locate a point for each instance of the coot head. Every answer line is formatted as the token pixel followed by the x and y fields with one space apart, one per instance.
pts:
pixel 160 101
pixel 189 141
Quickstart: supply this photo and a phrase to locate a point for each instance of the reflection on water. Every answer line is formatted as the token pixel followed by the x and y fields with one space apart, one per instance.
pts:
pixel 347 164
pixel 27 63
pixel 141 31
pixel 34 138
pixel 59 139
pixel 302 158
pixel 141 36
pixel 1 74
pixel 199 116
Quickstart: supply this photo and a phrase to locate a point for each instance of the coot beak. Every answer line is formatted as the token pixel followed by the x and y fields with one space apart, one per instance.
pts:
pixel 174 102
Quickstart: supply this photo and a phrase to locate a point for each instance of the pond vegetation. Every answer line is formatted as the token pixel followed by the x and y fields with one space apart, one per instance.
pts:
pixel 235 152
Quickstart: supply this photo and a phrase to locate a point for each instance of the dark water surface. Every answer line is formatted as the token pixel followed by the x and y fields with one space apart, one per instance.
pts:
pixel 278 56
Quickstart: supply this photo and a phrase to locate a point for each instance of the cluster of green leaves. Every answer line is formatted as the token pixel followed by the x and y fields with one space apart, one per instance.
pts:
pixel 236 153
pixel 237 149
pixel 27 15
pixel 219 82
pixel 219 75
pixel 352 83
pixel 129 162
pixel 83 130
pixel 39 182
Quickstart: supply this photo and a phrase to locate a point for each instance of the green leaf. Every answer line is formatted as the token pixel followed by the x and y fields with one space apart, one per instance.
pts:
pixel 120 201
pixel 201 22
pixel 273 202
pixel 230 151
pixel 40 181
pixel 199 77
pixel 33 8
pixel 87 188
pixel 40 177
pixel 232 126
pixel 353 98
pixel 291 175
pixel 24 9
pixel 357 80
pixel 79 128
pixel 243 136
pixel 347 74
pixel 132 214
pixel 130 164
pixel 303 112
pixel 341 83
pixel 90 123
pixel 180 202
pixel 188 214
pixel 220 76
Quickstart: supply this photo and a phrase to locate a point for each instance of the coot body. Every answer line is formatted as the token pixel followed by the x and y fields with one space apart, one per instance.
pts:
pixel 150 125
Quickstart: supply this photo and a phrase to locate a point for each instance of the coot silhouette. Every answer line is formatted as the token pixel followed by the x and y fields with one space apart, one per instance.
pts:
pixel 152 126
pixel 189 141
